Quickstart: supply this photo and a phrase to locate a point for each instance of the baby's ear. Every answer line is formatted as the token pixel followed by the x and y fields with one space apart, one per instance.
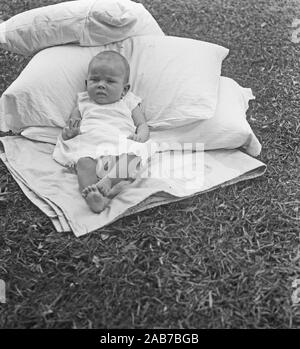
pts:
pixel 126 89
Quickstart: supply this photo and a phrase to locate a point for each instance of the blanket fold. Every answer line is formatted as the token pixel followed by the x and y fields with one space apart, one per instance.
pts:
pixel 54 189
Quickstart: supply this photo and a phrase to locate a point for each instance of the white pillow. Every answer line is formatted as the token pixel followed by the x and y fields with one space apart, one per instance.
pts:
pixel 44 94
pixel 84 22
pixel 227 129
pixel 177 79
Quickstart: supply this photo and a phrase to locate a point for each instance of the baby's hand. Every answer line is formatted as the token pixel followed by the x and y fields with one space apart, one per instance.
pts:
pixel 68 132
pixel 142 138
pixel 74 123
pixel 72 130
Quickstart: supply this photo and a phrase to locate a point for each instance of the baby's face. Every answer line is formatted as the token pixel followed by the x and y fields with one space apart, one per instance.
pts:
pixel 105 83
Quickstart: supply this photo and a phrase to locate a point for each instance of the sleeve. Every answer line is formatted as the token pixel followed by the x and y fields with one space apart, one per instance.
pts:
pixel 81 96
pixel 132 100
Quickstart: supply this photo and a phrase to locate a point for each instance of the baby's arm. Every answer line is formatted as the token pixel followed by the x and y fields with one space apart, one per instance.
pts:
pixel 75 117
pixel 73 127
pixel 142 129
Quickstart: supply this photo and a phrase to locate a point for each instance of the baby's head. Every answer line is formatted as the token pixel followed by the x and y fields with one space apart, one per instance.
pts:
pixel 108 77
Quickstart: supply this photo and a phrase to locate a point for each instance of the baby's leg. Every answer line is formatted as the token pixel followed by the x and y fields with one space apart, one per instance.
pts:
pixel 86 172
pixel 120 176
pixel 87 178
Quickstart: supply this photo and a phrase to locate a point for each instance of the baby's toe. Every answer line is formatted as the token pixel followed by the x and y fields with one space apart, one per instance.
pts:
pixel 86 190
pixel 93 188
pixel 103 190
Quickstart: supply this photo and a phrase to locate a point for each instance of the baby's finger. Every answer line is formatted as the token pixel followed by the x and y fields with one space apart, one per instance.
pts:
pixel 76 123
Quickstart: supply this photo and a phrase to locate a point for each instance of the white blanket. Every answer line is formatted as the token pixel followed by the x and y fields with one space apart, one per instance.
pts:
pixel 55 190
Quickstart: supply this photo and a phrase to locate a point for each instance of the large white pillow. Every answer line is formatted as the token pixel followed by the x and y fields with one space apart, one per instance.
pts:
pixel 177 79
pixel 227 129
pixel 44 94
pixel 82 22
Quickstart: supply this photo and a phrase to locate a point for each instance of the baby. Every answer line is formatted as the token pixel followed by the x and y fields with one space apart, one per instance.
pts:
pixel 106 111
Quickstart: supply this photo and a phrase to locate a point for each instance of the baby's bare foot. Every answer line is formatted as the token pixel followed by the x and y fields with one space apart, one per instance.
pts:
pixel 104 186
pixel 95 200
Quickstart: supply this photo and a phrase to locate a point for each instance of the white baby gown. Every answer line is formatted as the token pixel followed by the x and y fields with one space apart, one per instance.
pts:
pixel 104 130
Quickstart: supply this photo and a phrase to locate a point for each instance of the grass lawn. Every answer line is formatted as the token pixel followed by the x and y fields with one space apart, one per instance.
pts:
pixel 225 259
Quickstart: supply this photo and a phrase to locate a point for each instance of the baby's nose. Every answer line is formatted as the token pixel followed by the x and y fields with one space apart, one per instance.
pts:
pixel 101 84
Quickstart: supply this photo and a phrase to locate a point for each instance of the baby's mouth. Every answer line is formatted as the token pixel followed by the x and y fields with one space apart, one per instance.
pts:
pixel 100 93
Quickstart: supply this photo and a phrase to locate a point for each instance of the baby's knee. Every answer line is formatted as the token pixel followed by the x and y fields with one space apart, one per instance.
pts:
pixel 84 163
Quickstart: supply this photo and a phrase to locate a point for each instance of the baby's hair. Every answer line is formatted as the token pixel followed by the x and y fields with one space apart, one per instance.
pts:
pixel 113 55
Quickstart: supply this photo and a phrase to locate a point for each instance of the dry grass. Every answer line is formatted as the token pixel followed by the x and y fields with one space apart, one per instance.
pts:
pixel 225 259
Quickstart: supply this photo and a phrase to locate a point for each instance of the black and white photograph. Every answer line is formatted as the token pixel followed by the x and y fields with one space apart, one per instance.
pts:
pixel 149 167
